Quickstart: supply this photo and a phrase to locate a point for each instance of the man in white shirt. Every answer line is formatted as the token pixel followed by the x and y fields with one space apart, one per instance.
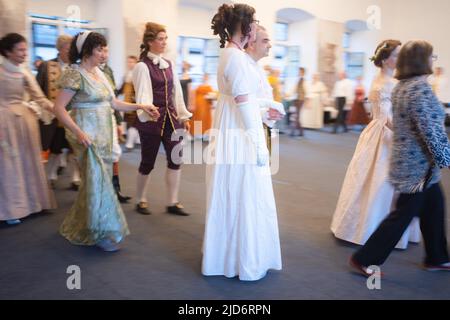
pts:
pixel 271 111
pixel 344 94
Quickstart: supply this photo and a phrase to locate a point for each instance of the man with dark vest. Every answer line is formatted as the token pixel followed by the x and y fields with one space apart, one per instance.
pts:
pixel 53 135
pixel 156 83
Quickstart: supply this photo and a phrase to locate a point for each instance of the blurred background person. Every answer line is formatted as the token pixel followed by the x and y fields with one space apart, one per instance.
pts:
pixel 37 63
pixel 343 94
pixel 53 135
pixel 358 114
pixel 438 83
pixel 202 117
pixel 297 129
pixel 127 90
pixel 312 115
pixel 186 83
pixel 274 81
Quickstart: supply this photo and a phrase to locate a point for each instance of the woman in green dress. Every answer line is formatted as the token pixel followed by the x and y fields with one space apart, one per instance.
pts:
pixel 96 217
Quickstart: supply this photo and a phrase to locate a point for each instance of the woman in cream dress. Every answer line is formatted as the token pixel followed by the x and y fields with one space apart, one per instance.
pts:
pixel 366 194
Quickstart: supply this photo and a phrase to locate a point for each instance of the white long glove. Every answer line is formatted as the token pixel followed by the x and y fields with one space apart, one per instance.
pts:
pixel 265 105
pixel 252 125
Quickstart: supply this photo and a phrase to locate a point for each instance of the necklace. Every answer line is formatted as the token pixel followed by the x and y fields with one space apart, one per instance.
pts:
pixel 236 44
pixel 92 73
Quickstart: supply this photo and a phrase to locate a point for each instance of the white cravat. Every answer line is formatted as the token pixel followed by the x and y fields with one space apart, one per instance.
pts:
pixel 163 64
pixel 11 67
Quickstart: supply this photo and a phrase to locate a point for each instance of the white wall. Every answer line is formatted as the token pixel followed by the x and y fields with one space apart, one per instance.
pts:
pixel 198 24
pixel 334 10
pixel 365 41
pixel 88 8
pixel 415 19
pixel 137 12
pixel 305 35
pixel 12 17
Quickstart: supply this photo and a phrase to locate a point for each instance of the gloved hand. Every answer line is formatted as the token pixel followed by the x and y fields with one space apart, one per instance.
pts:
pixel 266 105
pixel 252 124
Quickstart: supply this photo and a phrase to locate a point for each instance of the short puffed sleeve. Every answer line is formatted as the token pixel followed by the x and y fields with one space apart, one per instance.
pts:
pixel 237 73
pixel 70 79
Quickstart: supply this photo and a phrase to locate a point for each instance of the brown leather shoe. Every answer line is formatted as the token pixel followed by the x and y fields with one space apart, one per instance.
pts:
pixel 142 208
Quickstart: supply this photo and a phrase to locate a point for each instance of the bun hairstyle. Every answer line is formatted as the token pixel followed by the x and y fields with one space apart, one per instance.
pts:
pixel 384 51
pixel 93 41
pixel 228 18
pixel 8 42
pixel 151 32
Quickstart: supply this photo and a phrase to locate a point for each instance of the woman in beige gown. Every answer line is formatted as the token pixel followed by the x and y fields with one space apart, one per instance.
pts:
pixel 23 184
pixel 366 194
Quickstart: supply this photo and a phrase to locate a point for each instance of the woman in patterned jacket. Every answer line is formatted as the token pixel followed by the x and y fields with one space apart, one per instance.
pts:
pixel 420 149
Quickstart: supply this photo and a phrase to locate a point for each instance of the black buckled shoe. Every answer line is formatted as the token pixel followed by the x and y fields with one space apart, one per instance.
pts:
pixel 122 198
pixel 142 208
pixel 177 209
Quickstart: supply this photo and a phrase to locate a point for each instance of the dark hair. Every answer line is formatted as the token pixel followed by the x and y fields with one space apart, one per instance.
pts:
pixel 228 18
pixel 151 32
pixel 413 60
pixel 93 41
pixel 384 51
pixel 8 42
pixel 302 69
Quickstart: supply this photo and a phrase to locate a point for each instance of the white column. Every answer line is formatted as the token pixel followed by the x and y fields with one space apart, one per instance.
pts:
pixel 12 17
pixel 110 16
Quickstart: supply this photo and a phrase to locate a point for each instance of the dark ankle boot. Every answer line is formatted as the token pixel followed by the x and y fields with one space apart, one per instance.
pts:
pixel 120 196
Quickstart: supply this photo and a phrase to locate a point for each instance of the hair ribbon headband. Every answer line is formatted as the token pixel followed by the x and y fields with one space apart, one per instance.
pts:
pixel 81 39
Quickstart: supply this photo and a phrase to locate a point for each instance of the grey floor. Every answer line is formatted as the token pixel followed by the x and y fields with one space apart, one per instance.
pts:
pixel 161 258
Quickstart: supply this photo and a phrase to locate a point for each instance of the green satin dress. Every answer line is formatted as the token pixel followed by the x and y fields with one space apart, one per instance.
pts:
pixel 96 214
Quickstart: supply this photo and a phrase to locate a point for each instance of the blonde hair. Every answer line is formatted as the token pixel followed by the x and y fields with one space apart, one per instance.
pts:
pixel 62 40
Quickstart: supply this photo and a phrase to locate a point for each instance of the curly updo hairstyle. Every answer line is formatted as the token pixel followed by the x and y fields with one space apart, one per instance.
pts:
pixel 229 17
pixel 384 51
pixel 9 41
pixel 151 32
pixel 93 41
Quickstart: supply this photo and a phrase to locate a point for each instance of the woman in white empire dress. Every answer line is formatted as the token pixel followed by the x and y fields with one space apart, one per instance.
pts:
pixel 241 231
pixel 312 113
pixel 366 194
